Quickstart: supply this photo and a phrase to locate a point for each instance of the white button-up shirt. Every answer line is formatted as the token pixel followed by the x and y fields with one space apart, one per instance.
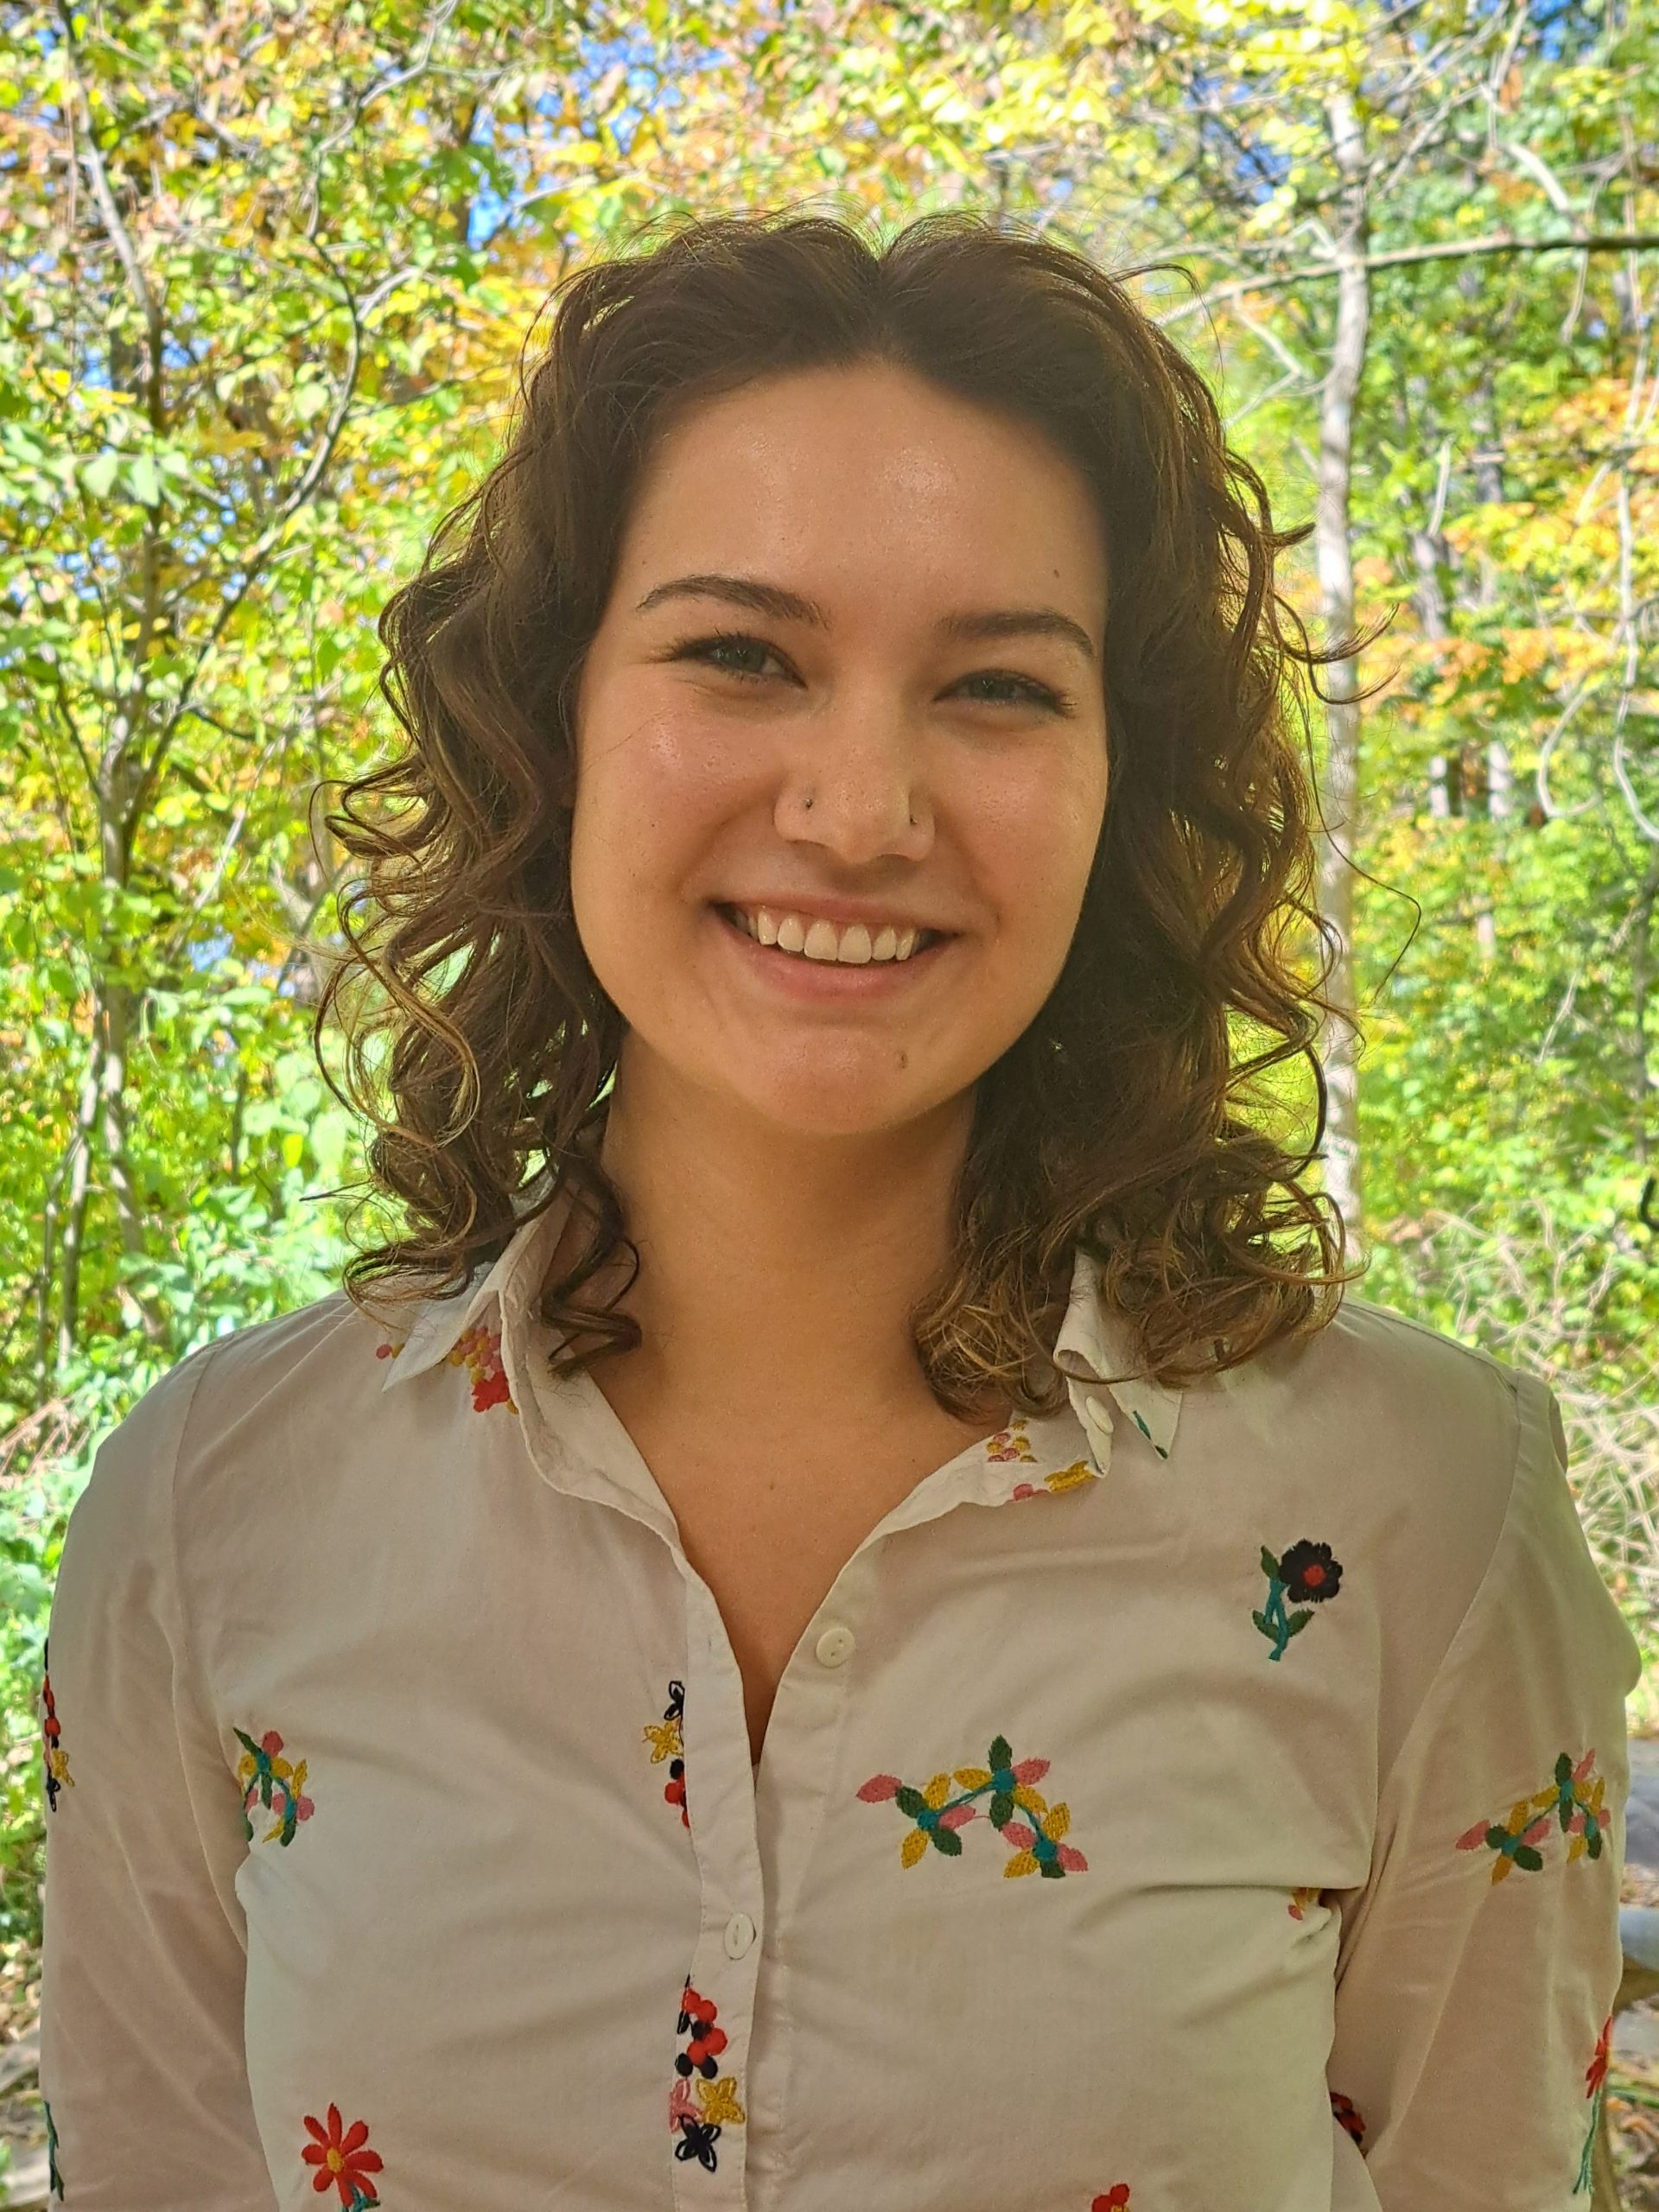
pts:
pixel 1201 1802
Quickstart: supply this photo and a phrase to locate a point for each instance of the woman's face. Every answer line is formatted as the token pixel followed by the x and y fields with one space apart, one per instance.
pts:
pixel 916 591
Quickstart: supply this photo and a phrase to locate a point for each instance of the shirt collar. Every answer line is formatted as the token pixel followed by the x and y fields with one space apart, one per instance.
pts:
pixel 1092 1346
pixel 438 1323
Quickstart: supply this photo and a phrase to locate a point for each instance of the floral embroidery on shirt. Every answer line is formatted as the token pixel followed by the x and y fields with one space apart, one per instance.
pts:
pixel 1595 2088
pixel 667 1742
pixel 270 1780
pixel 1308 1575
pixel 54 2176
pixel 1012 1442
pixel 390 1349
pixel 1577 1807
pixel 1037 1847
pixel 1116 2199
pixel 698 2110
pixel 341 2156
pixel 1063 1478
pixel 56 1758
pixel 480 1351
pixel 1347 2114
pixel 1299 1900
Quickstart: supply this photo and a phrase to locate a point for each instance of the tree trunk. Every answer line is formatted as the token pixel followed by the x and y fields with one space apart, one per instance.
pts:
pixel 1339 795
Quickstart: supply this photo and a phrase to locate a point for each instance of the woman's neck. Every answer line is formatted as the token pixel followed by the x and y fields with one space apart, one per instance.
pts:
pixel 777 1270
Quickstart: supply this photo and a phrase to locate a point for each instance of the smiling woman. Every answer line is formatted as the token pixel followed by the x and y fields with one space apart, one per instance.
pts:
pixel 993 558
pixel 906 1392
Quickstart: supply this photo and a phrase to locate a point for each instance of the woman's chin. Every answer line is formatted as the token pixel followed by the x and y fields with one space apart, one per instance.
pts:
pixel 834 1103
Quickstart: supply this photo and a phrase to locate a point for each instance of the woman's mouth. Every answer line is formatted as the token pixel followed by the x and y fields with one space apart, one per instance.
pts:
pixel 861 976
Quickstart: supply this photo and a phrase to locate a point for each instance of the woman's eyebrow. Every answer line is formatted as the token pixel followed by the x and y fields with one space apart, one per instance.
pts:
pixel 789 606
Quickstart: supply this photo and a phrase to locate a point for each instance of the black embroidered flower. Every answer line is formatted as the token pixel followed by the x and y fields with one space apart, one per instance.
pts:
pixel 1311 1574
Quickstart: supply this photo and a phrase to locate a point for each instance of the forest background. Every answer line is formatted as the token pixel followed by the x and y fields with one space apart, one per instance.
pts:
pixel 266 267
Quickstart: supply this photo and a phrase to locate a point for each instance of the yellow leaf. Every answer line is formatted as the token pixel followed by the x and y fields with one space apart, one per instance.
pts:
pixel 974 1777
pixel 1033 1800
pixel 1057 1823
pixel 937 1791
pixel 1023 1862
pixel 912 1848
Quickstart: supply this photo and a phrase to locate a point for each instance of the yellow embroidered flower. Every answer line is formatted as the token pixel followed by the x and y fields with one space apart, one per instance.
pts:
pixel 663 1737
pixel 718 2103
pixel 981 1778
pixel 1039 1848
pixel 1071 1477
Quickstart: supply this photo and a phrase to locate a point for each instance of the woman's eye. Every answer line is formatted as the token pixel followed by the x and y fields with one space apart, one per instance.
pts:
pixel 726 641
pixel 1027 690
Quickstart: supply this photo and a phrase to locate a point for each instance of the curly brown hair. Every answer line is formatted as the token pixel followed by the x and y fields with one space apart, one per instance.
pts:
pixel 1129 1117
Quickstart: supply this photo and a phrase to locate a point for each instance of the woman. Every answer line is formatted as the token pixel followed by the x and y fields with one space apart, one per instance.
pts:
pixel 875 1632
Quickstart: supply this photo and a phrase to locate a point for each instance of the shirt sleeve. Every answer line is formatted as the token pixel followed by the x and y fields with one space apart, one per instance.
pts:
pixel 1477 1967
pixel 143 1968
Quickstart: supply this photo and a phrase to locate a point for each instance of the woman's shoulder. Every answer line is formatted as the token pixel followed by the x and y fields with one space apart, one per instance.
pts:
pixel 294 1379
pixel 1374 1383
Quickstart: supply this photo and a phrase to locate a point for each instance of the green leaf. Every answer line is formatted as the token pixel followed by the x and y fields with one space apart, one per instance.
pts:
pixel 1297 1622
pixel 1002 1753
pixel 145 479
pixel 911 1802
pixel 1269 1564
pixel 99 473
pixel 1002 1809
pixel 948 1841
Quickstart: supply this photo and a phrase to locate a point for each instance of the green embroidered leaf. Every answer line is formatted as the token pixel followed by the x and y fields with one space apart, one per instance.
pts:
pixel 1526 1856
pixel 1298 1622
pixel 910 1801
pixel 1261 1620
pixel 1051 1868
pixel 948 1841
pixel 246 1741
pixel 1269 1564
pixel 1002 1753
pixel 1000 1810
pixel 1593 1846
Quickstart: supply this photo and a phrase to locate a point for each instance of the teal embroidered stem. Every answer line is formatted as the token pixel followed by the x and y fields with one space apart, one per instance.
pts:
pixel 1275 1611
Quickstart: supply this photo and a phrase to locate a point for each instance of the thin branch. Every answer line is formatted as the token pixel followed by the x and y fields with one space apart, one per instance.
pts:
pixel 1407 257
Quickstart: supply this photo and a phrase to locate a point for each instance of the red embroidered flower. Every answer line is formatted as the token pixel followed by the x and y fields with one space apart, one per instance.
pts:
pixel 1596 2073
pixel 1114 2200
pixel 703 2052
pixel 342 2157
pixel 57 1761
pixel 479 1349
pixel 1348 2115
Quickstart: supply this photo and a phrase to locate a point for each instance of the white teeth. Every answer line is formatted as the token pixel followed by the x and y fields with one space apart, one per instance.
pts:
pixel 852 947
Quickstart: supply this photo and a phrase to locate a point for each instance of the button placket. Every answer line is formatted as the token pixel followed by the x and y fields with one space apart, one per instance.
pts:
pixel 710 2110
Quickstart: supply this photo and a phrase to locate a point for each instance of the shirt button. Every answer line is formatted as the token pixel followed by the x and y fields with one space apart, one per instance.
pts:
pixel 739 1934
pixel 835 1646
